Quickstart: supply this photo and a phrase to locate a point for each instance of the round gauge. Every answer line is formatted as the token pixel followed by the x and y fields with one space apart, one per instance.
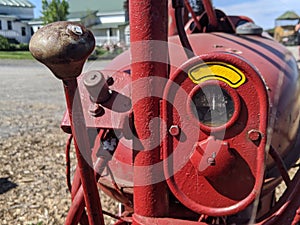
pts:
pixel 212 105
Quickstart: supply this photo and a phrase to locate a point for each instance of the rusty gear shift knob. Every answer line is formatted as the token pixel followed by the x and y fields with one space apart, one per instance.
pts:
pixel 63 47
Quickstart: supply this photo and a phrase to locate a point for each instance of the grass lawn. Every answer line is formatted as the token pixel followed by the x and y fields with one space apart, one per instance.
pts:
pixel 15 55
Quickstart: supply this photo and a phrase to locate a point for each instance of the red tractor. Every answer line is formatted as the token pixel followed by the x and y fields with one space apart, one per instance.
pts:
pixel 198 123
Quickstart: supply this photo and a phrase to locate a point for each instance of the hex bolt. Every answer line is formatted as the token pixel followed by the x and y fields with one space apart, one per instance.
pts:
pixel 96 85
pixel 212 159
pixel 254 135
pixel 174 130
pixel 96 110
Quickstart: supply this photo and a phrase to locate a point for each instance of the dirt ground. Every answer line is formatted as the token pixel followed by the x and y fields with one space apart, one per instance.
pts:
pixel 32 161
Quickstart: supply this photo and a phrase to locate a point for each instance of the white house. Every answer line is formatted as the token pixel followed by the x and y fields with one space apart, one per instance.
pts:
pixel 107 27
pixel 14 18
pixel 105 18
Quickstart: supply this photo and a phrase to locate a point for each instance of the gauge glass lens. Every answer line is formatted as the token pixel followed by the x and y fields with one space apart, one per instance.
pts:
pixel 212 105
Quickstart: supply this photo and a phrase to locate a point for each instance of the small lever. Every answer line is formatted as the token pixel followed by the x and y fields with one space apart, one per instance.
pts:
pixel 63 47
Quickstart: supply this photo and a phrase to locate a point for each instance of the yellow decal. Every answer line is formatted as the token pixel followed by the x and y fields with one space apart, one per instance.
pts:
pixel 217 71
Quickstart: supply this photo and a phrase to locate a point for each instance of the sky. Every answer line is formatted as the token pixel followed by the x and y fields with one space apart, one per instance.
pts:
pixel 263 12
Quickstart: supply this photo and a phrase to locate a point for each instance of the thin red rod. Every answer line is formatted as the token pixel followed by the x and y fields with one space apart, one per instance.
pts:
pixel 211 14
pixel 83 153
pixel 191 11
pixel 76 184
pixel 149 52
pixel 77 207
pixel 297 217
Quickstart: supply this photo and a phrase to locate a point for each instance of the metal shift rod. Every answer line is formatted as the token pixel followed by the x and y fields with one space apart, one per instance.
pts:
pixel 64 47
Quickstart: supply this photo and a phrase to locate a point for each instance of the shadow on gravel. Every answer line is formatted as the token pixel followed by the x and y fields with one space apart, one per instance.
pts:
pixel 6 185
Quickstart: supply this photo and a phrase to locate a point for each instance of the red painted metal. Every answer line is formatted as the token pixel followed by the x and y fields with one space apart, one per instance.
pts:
pixel 172 30
pixel 212 17
pixel 78 204
pixel 147 23
pixel 297 217
pixel 82 147
pixel 208 194
pixel 214 174
pixel 164 221
pixel 189 8
pixel 250 49
pixel 205 161
pixel 115 113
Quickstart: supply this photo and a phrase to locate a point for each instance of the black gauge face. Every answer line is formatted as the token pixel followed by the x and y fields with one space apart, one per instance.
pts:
pixel 213 106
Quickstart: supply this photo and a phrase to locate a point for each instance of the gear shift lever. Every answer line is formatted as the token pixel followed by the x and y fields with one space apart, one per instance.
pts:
pixel 64 47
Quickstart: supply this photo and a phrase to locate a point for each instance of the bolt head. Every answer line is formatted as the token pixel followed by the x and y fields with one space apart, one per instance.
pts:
pixel 75 29
pixel 174 130
pixel 96 110
pixel 254 135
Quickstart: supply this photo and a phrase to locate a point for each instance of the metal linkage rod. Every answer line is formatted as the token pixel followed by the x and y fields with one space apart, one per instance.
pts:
pixel 212 17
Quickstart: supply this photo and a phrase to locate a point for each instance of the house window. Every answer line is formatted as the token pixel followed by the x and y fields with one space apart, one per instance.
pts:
pixel 9 25
pixel 23 30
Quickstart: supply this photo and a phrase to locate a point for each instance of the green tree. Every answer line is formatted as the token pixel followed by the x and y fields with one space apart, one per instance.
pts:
pixel 54 10
pixel 4 44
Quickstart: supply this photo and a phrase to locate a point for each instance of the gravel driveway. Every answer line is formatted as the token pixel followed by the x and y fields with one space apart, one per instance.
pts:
pixel 32 161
